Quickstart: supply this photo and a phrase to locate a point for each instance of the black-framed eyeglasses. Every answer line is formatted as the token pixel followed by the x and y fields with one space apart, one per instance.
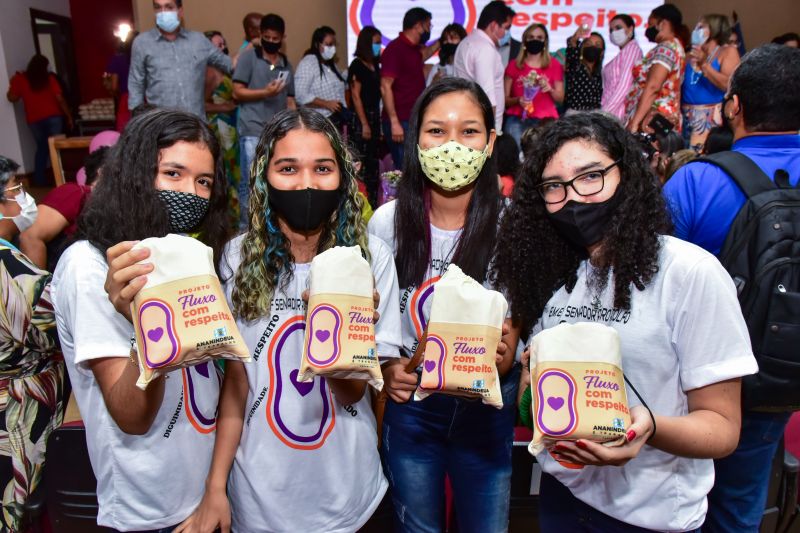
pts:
pixel 586 184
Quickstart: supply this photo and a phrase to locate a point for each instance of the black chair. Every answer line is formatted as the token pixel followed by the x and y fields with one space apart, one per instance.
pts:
pixel 69 483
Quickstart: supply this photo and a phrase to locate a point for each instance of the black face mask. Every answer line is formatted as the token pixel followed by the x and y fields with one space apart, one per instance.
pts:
pixel 270 47
pixel 424 38
pixel 186 211
pixel 591 53
pixel 305 209
pixel 651 33
pixel 583 224
pixel 447 51
pixel 534 47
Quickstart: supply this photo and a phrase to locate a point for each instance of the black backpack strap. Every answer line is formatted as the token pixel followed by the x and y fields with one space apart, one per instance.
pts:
pixel 747 175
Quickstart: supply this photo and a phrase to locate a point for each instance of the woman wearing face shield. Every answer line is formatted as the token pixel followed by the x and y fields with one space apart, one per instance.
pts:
pixel 33 375
pixel 618 73
pixel 657 85
pixel 710 64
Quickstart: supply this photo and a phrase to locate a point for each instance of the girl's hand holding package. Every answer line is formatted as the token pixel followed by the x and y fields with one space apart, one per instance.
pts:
pixel 586 452
pixel 126 276
pixel 399 384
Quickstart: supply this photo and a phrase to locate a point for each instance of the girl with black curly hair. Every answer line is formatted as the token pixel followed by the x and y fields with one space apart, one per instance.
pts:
pixel 163 176
pixel 584 241
pixel 446 211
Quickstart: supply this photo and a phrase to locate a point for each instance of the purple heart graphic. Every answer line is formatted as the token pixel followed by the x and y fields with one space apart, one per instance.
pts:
pixel 155 334
pixel 322 335
pixel 302 387
pixel 555 403
pixel 430 365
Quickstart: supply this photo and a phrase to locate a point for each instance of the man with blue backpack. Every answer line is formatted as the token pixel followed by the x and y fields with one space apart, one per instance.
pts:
pixel 744 206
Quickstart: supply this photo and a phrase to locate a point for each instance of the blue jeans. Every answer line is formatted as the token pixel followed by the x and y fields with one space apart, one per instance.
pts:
pixel 247 151
pixel 515 126
pixel 561 512
pixel 737 501
pixel 42 130
pixel 396 149
pixel 465 439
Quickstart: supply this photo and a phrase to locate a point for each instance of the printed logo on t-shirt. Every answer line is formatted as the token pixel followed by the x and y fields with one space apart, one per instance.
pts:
pixel 417 304
pixel 199 406
pixel 300 433
pixel 201 409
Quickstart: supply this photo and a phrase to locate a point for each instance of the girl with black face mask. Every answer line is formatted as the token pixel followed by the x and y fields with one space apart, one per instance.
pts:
pixel 534 83
pixel 163 176
pixel 583 72
pixel 304 201
pixel 588 207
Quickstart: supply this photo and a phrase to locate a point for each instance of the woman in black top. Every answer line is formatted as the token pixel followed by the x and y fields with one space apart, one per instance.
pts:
pixel 364 79
pixel 584 71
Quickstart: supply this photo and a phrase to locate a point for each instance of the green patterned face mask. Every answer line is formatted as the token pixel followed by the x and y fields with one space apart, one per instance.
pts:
pixel 452 166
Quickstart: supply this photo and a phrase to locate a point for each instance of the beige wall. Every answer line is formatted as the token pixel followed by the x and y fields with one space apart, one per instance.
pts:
pixel 301 16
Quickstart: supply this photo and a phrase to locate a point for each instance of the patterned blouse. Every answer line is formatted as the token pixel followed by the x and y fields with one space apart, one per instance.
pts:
pixel 670 55
pixel 32 380
pixel 584 88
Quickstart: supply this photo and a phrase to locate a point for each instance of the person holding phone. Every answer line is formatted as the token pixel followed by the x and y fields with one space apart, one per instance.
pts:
pixel 709 67
pixel 263 84
pixel 584 70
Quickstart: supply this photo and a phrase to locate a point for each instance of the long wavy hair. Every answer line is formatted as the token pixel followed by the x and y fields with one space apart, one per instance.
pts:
pixel 412 219
pixel 266 254
pixel 534 260
pixel 124 204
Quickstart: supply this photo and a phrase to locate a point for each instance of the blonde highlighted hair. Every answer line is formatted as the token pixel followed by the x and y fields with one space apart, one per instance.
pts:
pixel 267 258
pixel 523 52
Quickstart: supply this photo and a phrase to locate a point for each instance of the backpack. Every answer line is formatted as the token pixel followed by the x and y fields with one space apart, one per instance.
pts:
pixel 762 254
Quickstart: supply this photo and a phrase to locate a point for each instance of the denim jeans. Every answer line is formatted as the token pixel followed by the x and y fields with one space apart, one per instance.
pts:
pixel 396 149
pixel 737 501
pixel 42 130
pixel 515 126
pixel 468 441
pixel 247 150
pixel 561 512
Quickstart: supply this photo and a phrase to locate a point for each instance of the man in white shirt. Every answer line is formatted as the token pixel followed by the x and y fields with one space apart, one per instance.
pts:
pixel 478 59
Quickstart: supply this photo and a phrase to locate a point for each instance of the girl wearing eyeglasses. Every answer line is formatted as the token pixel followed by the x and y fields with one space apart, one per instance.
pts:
pixel 584 241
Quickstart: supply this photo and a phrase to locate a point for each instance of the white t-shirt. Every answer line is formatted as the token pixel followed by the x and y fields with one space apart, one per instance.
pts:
pixel 146 481
pixel 305 462
pixel 683 332
pixel 415 301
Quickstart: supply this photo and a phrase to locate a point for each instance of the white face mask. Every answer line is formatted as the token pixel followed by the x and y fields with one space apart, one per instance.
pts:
pixel 328 52
pixel 28 211
pixel 619 37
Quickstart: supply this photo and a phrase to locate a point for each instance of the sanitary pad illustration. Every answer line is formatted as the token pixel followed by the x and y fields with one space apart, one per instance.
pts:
pixel 180 316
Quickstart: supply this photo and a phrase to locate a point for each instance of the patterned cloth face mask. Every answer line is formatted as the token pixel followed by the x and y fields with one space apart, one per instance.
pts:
pixel 186 211
pixel 452 166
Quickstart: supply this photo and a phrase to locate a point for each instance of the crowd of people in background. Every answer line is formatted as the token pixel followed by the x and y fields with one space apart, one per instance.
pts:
pixel 574 182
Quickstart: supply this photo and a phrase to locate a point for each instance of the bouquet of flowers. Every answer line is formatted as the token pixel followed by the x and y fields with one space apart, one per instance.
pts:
pixel 388 186
pixel 531 85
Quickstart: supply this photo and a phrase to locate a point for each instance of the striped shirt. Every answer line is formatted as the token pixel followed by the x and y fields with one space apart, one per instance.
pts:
pixel 618 78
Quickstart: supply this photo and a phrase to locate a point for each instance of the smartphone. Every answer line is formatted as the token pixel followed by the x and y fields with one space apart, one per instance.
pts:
pixel 660 124
pixel 283 75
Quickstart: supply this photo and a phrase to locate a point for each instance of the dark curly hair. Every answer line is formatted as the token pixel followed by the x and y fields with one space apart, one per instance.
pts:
pixel 125 206
pixel 534 260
